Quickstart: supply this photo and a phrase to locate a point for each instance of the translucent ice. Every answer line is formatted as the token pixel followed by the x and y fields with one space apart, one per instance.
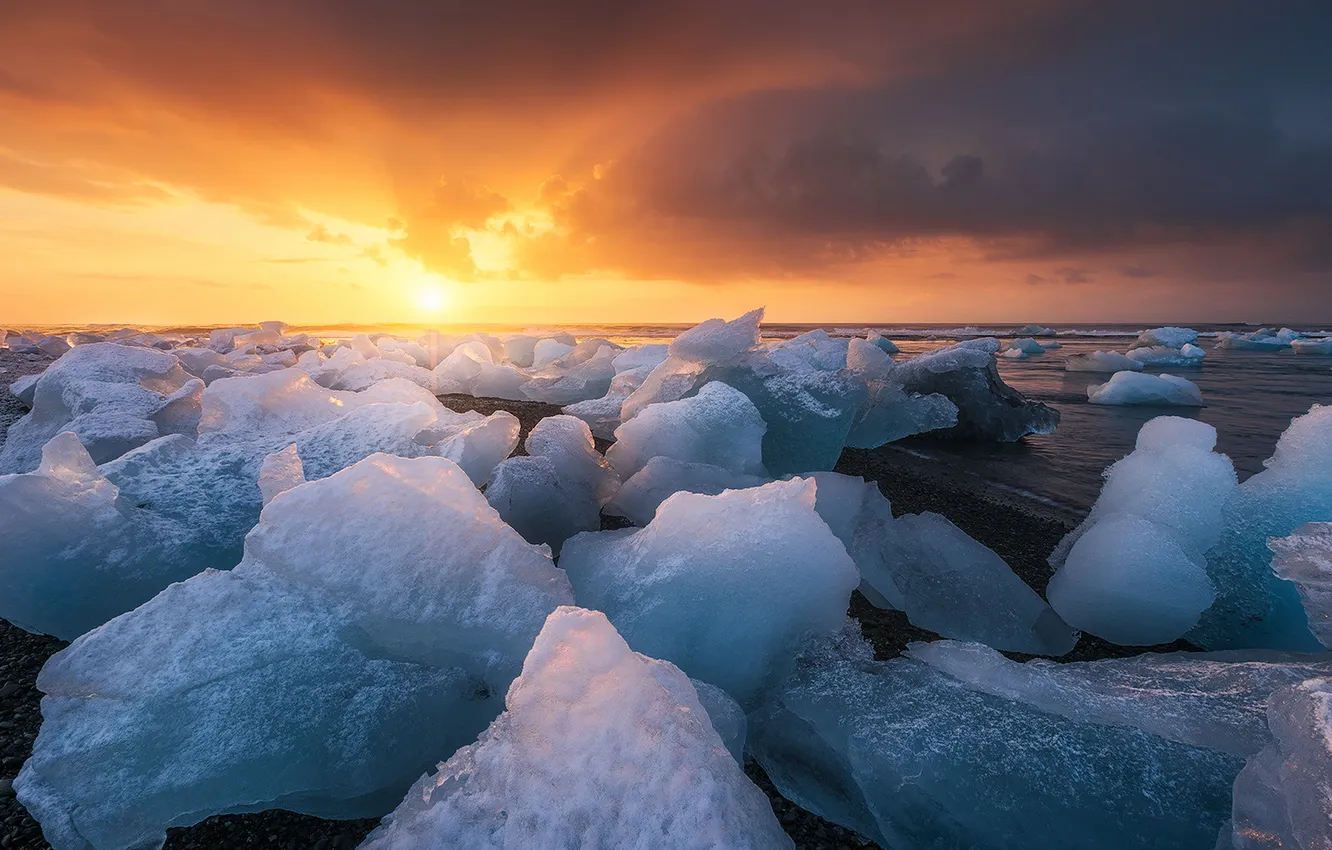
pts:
pixel 376 618
pixel 112 396
pixel 603 414
pixel 889 413
pixel 598 747
pixel 568 382
pixel 718 426
pixel 1305 559
pixel 1133 572
pixel 1026 345
pixel 1169 337
pixel 1283 796
pixel 1138 388
pixel 913 758
pixel 1312 346
pixel 25 388
pixel 650 355
pixel 723 586
pixel 1101 361
pixel 718 341
pixel 1160 355
pixel 558 488
pixel 1013 354
pixel 547 351
pixel 661 477
pixel 882 342
pixel 1259 340
pixel 279 472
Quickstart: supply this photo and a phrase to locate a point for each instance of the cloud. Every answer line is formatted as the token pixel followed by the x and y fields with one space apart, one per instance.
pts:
pixel 323 235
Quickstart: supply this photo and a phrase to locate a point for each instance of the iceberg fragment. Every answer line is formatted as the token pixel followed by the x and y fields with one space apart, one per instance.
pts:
pixel 1101 361
pixel 1305 559
pixel 718 426
pixel 1138 388
pixel 661 477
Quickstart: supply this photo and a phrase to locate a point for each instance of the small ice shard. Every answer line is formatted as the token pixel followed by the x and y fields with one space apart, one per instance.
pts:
pixel 1101 361
pixel 1026 345
pixel 987 408
pixel 1213 700
pixel 376 618
pixel 598 747
pixel 723 586
pixel 1133 572
pixel 1255 606
pixel 603 414
pixel 1283 796
pixel 558 488
pixel 1160 355
pixel 718 426
pixel 911 757
pixel 1305 559
pixel 565 382
pixel 661 477
pixel 1170 337
pixel 1142 389
pixel 279 472
pixel 107 394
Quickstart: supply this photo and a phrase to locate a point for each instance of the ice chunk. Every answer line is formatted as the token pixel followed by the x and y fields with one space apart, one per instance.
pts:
pixel 520 349
pixel 1134 571
pixel 1160 355
pixel 279 472
pixel 603 414
pixel 547 351
pixel 1101 361
pixel 1256 607
pixel 723 586
pixel 650 356
pixel 987 408
pixel 882 342
pixel 727 717
pixel 566 383
pixel 1141 389
pixel 557 490
pixel 660 477
pixel 1312 346
pixel 1305 559
pixel 1026 345
pixel 1283 796
pixel 718 341
pixel 1033 330
pixel 459 371
pixel 911 757
pixel 25 388
pixel 1013 354
pixel 1170 337
pixel 719 426
pixel 106 393
pixel 1260 340
pixel 889 413
pixel 816 349
pixel 351 645
pixel 1212 700
pixel 476 443
pixel 598 747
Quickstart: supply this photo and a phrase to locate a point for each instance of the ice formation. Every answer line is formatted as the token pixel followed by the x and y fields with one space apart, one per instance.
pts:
pixel 1033 330
pixel 1026 345
pixel 722 586
pixel 1305 559
pixel 376 618
pixel 1012 354
pixel 573 379
pixel 1255 607
pixel 889 413
pixel 1283 796
pixel 1134 571
pixel 638 498
pixel 1170 337
pixel 1263 339
pixel 987 408
pixel 1312 346
pixel 1136 388
pixel 883 343
pixel 1160 355
pixel 1101 361
pixel 910 757
pixel 718 426
pixel 558 488
pixel 598 747
pixel 927 567
pixel 279 472
pixel 115 397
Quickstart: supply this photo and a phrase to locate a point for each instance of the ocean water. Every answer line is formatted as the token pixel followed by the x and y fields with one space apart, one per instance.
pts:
pixel 1250 396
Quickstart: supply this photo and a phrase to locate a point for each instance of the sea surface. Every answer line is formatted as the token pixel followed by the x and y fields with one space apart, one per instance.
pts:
pixel 1251 397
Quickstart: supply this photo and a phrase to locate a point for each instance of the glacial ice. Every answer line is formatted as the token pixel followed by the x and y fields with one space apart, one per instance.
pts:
pixel 1283 796
pixel 1312 346
pixel 722 586
pixel 718 426
pixel 547 351
pixel 603 414
pixel 558 488
pixel 1159 355
pixel 718 341
pixel 1101 361
pixel 598 747
pixel 25 388
pixel 987 408
pixel 883 343
pixel 889 413
pixel 279 472
pixel 375 619
pixel 1034 330
pixel 1026 345
pixel 638 498
pixel 1260 340
pixel 115 397
pixel 566 382
pixel 1170 337
pixel 1134 571
pixel 1012 354
pixel 911 757
pixel 1305 559
pixel 1136 388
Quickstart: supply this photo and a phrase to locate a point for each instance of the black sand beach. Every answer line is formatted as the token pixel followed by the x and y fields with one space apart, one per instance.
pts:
pixel 1022 533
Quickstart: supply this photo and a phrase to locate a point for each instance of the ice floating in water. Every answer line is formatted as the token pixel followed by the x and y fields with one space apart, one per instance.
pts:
pixel 1101 361
pixel 722 586
pixel 1159 355
pixel 1255 607
pixel 598 747
pixel 1133 572
pixel 661 477
pixel 1134 388
pixel 1026 345
pixel 1034 330
pixel 1305 559
pixel 719 426
pixel 1260 340
pixel 987 408
pixel 1170 337
pixel 1312 346
pixel 911 757
pixel 376 618
pixel 943 579
pixel 1012 354
pixel 1283 797
pixel 115 397
pixel 557 490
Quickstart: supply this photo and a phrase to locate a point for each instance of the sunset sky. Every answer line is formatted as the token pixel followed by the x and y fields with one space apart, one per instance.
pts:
pixel 174 161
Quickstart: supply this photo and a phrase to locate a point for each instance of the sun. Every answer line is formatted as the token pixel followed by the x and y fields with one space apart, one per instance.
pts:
pixel 431 299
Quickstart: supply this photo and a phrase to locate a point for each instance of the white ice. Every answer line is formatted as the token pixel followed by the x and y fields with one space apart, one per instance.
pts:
pixel 718 426
pixel 1101 361
pixel 1136 388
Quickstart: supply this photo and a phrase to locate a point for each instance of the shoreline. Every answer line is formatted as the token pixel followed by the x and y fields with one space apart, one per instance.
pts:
pixel 1021 532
